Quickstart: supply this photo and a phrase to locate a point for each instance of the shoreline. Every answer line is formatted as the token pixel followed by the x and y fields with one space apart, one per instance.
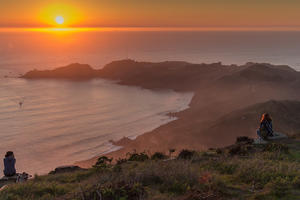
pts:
pixel 121 143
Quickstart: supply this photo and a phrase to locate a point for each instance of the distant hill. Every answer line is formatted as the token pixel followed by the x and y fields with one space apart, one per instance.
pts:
pixel 262 72
pixel 72 71
pixel 169 75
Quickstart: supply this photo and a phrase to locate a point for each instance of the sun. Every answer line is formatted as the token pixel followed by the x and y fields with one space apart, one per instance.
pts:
pixel 59 20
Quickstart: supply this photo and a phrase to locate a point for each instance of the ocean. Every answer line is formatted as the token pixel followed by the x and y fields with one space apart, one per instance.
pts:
pixel 27 50
pixel 61 122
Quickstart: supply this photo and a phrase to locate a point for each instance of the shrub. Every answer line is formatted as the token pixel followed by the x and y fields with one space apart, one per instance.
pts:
pixel 158 156
pixel 140 157
pixel 103 160
pixel 186 154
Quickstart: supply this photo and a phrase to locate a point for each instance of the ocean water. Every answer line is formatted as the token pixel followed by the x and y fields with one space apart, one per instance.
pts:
pixel 61 122
pixel 26 50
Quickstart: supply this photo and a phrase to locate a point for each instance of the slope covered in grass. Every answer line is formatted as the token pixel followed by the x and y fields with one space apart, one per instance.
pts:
pixel 240 171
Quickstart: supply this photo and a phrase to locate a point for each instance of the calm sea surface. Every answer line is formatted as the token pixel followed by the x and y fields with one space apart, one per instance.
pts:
pixel 62 121
pixel 24 51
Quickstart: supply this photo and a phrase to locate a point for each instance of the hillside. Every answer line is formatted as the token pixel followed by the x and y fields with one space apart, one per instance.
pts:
pixel 239 171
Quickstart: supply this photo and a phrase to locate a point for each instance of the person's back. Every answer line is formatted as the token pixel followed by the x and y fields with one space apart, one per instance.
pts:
pixel 265 129
pixel 9 164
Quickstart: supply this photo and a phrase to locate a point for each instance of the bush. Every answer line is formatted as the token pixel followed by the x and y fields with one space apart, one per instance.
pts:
pixel 103 160
pixel 140 157
pixel 158 156
pixel 186 154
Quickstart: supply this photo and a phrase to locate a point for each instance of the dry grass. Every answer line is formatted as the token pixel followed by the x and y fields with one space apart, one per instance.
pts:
pixel 263 174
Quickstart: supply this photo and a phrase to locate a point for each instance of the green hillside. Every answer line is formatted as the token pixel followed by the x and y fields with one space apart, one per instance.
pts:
pixel 240 171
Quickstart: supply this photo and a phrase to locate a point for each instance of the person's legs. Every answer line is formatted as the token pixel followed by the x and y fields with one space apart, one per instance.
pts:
pixel 258 133
pixel 10 175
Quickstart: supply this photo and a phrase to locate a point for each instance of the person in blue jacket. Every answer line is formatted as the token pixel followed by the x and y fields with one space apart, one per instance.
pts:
pixel 9 164
pixel 265 129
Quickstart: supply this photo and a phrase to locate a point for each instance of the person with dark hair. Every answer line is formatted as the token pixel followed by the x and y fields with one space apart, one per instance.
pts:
pixel 266 128
pixel 9 164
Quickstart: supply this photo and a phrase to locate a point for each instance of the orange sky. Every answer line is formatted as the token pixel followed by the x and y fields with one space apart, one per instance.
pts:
pixel 151 13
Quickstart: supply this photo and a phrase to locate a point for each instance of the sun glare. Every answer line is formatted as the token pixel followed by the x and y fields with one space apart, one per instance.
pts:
pixel 58 14
pixel 59 20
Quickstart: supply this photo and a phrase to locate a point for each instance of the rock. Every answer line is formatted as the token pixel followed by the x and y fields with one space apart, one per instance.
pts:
pixel 260 141
pixel 277 136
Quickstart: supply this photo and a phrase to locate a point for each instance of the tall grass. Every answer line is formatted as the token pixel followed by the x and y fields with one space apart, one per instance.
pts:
pixel 271 173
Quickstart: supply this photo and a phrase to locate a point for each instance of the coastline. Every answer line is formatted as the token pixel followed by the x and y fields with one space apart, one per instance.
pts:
pixel 120 144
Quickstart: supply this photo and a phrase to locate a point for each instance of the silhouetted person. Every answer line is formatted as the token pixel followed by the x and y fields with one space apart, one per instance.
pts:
pixel 266 128
pixel 20 104
pixel 9 164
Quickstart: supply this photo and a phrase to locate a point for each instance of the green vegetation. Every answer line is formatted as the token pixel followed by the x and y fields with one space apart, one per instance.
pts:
pixel 242 171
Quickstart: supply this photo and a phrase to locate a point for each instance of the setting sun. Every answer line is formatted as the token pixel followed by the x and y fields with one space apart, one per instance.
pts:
pixel 60 14
pixel 59 20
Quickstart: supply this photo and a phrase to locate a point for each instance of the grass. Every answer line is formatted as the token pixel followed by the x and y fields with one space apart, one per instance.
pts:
pixel 258 173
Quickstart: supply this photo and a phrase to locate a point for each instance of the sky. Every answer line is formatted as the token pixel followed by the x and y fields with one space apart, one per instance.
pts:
pixel 150 13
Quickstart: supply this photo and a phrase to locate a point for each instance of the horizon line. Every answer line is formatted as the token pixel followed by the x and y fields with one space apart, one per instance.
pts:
pixel 95 29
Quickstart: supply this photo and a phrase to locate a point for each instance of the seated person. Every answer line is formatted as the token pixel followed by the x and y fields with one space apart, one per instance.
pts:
pixel 266 128
pixel 9 164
